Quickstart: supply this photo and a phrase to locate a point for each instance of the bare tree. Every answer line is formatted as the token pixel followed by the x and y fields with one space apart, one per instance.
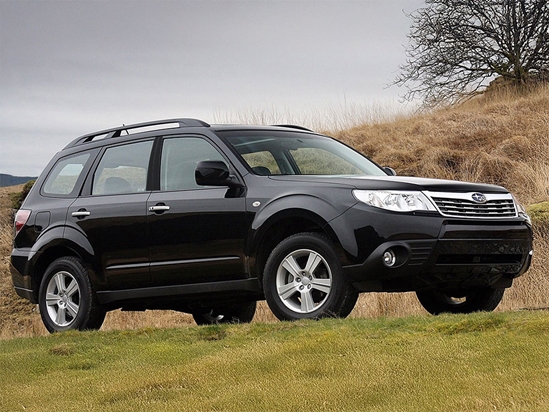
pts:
pixel 457 46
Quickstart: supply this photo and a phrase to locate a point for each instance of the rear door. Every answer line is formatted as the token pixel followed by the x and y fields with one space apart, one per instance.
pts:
pixel 113 216
pixel 196 233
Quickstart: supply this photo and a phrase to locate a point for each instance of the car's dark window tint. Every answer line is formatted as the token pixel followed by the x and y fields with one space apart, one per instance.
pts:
pixel 65 174
pixel 123 169
pixel 179 159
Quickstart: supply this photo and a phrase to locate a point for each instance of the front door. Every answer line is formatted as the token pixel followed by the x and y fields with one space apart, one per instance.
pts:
pixel 196 233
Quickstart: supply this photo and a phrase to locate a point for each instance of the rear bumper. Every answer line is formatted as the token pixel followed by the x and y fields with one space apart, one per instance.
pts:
pixel 23 284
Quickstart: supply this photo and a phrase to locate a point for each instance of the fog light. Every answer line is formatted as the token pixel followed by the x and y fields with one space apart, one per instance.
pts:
pixel 389 258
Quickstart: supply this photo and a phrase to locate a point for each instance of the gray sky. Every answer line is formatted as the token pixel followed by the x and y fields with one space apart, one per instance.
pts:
pixel 71 68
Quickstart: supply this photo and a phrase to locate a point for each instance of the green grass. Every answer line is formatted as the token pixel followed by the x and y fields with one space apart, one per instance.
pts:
pixel 539 213
pixel 477 362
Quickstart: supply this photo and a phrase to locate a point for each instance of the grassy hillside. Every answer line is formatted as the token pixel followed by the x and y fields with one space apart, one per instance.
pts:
pixel 502 138
pixel 478 362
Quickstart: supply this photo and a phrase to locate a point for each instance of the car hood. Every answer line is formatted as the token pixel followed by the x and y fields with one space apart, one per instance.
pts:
pixel 394 183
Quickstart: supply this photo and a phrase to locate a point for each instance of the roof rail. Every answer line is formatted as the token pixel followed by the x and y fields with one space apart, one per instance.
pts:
pixel 117 131
pixel 293 126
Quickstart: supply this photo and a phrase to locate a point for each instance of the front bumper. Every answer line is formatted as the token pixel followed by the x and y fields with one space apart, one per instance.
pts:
pixel 433 252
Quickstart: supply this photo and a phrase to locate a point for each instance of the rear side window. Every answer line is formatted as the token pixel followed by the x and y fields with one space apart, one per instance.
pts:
pixel 123 169
pixel 64 175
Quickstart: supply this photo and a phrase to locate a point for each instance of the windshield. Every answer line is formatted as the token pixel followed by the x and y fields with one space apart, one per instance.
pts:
pixel 291 153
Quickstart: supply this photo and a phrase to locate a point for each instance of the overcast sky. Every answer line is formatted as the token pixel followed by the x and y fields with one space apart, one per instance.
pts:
pixel 68 68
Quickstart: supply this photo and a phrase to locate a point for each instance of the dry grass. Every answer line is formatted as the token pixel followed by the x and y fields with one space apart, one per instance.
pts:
pixel 329 118
pixel 502 138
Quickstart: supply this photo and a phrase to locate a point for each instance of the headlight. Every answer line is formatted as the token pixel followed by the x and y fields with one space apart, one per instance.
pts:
pixel 398 201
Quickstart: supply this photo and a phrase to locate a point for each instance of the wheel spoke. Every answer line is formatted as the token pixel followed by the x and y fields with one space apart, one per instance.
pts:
pixel 307 302
pixel 72 288
pixel 312 263
pixel 72 309
pixel 59 282
pixel 324 285
pixel 288 290
pixel 52 299
pixel 292 266
pixel 60 317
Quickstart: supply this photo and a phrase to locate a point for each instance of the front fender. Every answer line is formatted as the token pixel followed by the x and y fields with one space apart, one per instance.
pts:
pixel 307 205
pixel 305 208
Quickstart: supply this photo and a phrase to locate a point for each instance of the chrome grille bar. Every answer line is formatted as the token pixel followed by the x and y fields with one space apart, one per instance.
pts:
pixel 499 205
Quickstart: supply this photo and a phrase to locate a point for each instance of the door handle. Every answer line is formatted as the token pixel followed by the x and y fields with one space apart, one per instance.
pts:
pixel 81 213
pixel 159 208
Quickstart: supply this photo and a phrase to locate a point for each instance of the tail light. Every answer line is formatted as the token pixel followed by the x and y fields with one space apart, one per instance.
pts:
pixel 21 219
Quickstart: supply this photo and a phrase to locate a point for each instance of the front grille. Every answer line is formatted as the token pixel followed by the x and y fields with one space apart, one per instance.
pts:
pixel 458 205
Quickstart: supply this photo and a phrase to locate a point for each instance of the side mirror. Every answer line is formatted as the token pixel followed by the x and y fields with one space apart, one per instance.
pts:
pixel 390 171
pixel 214 173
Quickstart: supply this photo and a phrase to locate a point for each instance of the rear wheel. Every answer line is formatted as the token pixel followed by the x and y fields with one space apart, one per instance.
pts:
pixel 475 300
pixel 66 298
pixel 303 279
pixel 231 313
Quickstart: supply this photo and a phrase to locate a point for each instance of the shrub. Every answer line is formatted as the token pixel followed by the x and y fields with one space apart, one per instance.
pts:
pixel 18 198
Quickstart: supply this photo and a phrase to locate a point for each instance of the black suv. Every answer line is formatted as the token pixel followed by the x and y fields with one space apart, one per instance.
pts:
pixel 207 219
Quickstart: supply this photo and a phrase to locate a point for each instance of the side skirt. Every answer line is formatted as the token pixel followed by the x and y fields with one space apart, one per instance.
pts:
pixel 244 285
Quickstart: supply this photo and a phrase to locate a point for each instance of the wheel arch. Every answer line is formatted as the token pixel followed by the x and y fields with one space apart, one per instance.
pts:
pixel 54 246
pixel 281 225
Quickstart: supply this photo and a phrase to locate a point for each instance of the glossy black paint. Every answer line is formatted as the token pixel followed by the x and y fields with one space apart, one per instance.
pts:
pixel 116 231
pixel 199 239
pixel 176 249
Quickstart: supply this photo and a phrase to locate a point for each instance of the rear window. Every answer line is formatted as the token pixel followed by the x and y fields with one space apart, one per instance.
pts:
pixel 64 175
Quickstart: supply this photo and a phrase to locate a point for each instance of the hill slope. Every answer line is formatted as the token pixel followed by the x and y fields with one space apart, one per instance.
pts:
pixel 501 138
pixel 9 180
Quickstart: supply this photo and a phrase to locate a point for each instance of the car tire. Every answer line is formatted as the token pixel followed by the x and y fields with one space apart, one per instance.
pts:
pixel 232 313
pixel 477 300
pixel 66 298
pixel 303 279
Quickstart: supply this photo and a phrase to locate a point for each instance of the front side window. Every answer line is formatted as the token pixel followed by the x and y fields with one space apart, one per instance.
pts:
pixel 180 156
pixel 123 169
pixel 64 175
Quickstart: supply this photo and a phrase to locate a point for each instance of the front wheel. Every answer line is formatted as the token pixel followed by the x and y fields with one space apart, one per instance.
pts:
pixel 475 300
pixel 230 313
pixel 66 298
pixel 303 279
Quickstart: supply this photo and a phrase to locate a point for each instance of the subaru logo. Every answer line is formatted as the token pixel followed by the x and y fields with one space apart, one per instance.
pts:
pixel 478 198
